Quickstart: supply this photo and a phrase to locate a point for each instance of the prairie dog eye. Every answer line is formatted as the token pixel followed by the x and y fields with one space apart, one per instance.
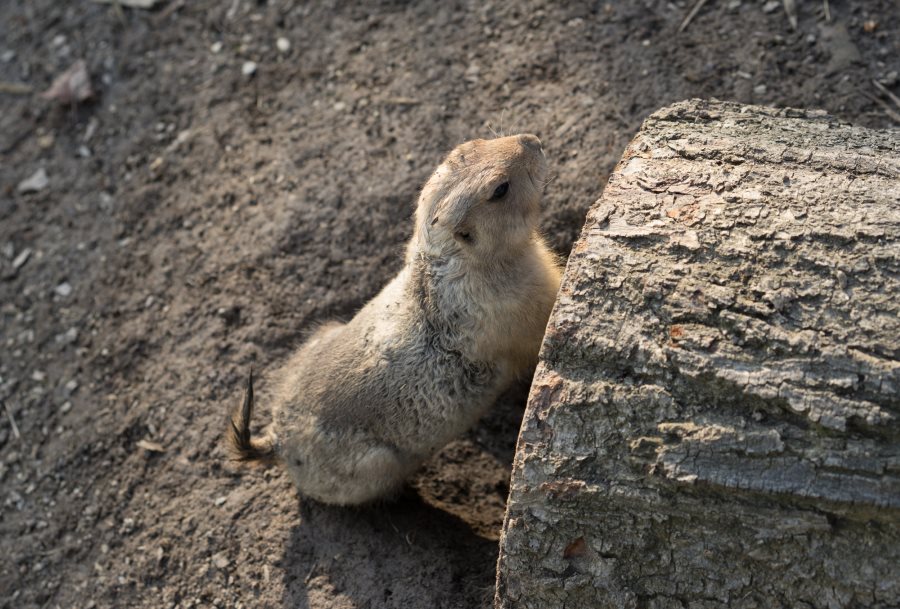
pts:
pixel 500 192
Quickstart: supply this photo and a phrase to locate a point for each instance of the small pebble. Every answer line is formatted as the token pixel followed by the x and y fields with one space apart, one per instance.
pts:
pixel 220 501
pixel 340 106
pixel 216 47
pixel 760 89
pixel 68 337
pixel 22 258
pixel 90 130
pixel 771 6
pixel 249 68
pixel 66 407
pixel 46 141
pixel 220 560
pixel 106 201
pixel 63 289
pixel 36 182
pixel 38 376
pixel 283 44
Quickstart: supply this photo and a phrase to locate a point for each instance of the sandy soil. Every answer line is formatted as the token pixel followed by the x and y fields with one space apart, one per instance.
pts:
pixel 197 220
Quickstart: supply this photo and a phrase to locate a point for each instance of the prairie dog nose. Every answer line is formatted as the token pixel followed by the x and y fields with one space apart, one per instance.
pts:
pixel 531 141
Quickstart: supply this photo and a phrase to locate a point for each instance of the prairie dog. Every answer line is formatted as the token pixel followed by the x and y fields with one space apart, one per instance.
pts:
pixel 361 405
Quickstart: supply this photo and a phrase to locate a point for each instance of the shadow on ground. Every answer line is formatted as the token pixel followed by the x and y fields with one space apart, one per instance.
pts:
pixel 439 534
pixel 389 555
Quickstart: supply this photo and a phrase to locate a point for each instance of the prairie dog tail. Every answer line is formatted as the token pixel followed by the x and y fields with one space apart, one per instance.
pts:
pixel 241 446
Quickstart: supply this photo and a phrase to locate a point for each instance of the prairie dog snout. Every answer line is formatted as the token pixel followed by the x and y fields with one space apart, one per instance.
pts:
pixel 360 405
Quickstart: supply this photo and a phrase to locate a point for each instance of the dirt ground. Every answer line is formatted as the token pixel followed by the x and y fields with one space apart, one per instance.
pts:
pixel 197 220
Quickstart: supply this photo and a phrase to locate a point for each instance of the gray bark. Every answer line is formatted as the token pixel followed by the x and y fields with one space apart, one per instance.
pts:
pixel 714 421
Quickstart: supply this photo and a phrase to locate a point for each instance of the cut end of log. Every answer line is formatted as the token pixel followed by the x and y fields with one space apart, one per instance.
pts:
pixel 723 425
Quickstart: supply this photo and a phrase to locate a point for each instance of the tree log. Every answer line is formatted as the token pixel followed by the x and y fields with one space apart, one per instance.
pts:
pixel 714 419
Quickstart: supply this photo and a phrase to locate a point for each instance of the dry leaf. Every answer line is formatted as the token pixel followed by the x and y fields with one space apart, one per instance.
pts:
pixel 72 86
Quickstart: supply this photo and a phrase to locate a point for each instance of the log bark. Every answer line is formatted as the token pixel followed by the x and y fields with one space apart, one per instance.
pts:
pixel 714 419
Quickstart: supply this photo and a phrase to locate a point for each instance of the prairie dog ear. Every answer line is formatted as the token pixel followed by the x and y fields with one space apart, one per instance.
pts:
pixel 464 232
pixel 450 211
pixel 430 197
pixel 445 201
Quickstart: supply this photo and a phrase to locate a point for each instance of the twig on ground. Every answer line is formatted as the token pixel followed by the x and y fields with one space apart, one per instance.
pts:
pixel 12 422
pixel 167 12
pixel 232 11
pixel 21 137
pixel 150 446
pixel 790 9
pixel 691 15
pixel 120 13
pixel 892 114
pixel 401 101
pixel 885 91
pixel 131 3
pixel 311 573
pixel 827 10
pixel 16 88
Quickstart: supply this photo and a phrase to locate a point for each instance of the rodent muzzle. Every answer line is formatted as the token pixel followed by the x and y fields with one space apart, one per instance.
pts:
pixel 532 142
pixel 533 161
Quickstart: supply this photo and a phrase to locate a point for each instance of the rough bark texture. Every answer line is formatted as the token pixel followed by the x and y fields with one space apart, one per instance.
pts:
pixel 714 419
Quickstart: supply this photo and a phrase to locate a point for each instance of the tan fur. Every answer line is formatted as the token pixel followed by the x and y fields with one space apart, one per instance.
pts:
pixel 360 405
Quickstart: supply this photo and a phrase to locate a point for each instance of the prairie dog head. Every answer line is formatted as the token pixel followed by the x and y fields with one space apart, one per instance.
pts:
pixel 483 201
